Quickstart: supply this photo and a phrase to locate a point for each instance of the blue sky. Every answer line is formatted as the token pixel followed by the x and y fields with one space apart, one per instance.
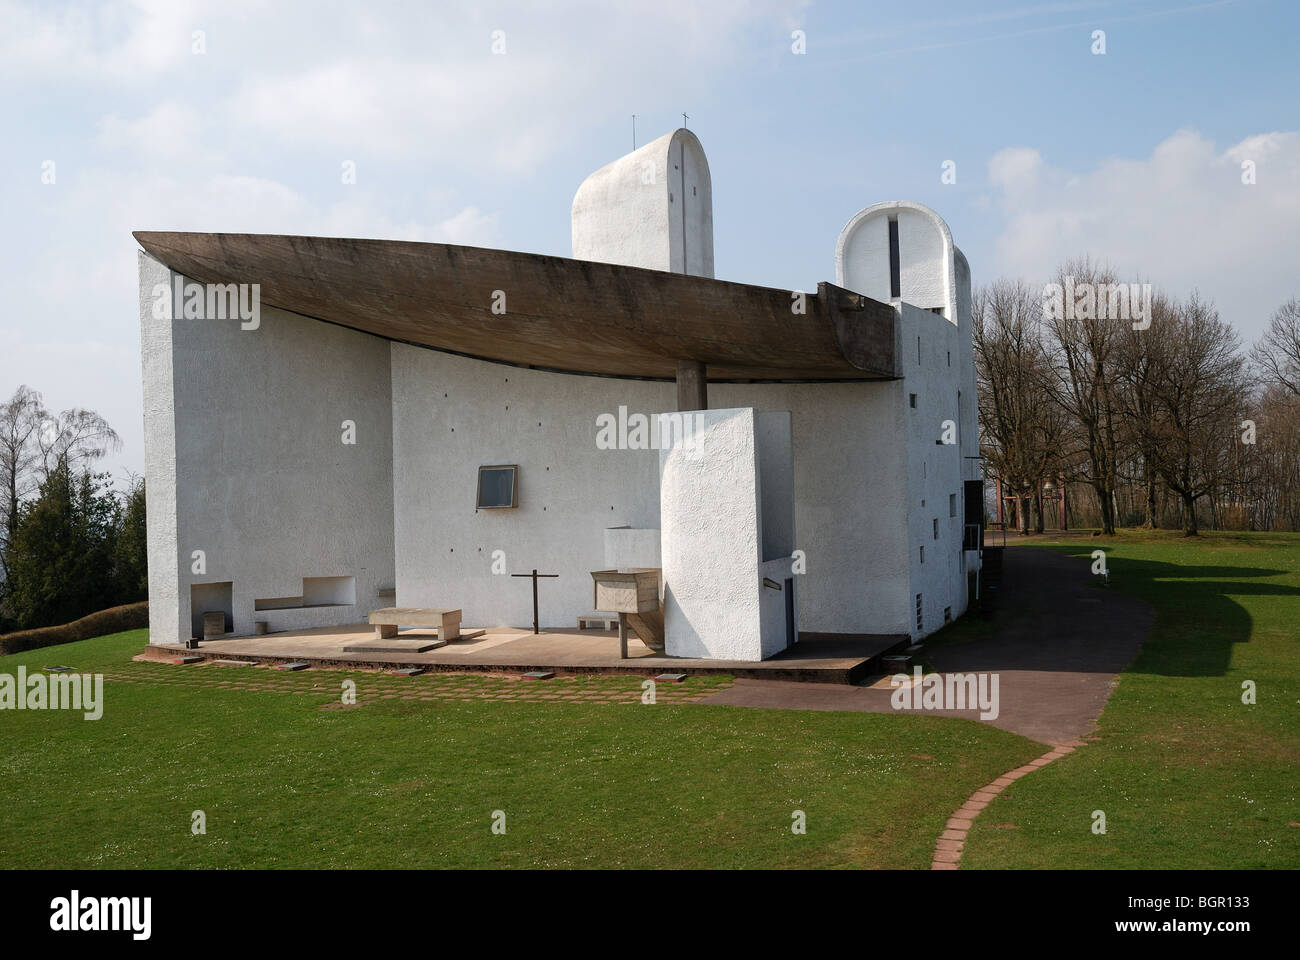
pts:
pixel 1133 156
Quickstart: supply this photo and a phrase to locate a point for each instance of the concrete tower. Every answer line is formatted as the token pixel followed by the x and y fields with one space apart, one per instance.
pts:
pixel 652 208
pixel 901 252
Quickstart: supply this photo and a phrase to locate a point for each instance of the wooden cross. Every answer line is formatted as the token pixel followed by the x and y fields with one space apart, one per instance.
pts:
pixel 534 575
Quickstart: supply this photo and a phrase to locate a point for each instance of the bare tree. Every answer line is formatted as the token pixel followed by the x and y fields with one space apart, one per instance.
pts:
pixel 21 418
pixel 33 442
pixel 1020 427
pixel 76 437
pixel 1274 477
pixel 1083 358
pixel 1139 360
pixel 1277 354
pixel 1198 393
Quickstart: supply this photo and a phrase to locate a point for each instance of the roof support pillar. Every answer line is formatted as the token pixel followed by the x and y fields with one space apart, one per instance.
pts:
pixel 692 387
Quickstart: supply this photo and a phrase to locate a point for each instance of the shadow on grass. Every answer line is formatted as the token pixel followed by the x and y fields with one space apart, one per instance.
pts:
pixel 1200 616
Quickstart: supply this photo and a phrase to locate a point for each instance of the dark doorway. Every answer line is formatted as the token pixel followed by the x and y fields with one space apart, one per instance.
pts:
pixel 791 637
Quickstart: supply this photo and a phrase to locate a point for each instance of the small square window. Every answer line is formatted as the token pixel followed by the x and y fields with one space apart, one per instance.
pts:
pixel 497 487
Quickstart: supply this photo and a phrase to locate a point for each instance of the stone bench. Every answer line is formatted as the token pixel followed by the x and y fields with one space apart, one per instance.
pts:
pixel 607 621
pixel 387 620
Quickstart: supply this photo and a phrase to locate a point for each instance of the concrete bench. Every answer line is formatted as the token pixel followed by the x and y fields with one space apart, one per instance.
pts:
pixel 607 621
pixel 387 620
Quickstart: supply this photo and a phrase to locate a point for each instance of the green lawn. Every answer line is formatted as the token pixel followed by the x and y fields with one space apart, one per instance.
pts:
pixel 1186 774
pixel 286 779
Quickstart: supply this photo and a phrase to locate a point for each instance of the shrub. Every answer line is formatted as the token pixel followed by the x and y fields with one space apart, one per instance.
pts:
pixel 129 616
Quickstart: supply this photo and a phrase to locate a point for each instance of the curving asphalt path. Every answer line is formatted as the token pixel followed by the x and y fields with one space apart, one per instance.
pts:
pixel 1058 643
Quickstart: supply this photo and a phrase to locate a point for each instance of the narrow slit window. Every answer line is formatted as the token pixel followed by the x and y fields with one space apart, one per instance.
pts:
pixel 895 272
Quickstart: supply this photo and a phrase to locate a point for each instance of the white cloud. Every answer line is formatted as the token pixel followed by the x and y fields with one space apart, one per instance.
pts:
pixel 121 41
pixel 1181 218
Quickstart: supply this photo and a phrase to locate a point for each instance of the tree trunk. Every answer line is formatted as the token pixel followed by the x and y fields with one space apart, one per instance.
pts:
pixel 1189 516
pixel 1105 508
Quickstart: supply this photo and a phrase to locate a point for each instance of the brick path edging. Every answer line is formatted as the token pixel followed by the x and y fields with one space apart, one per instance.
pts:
pixel 948 848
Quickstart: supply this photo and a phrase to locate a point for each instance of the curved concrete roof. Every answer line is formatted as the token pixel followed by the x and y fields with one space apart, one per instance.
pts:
pixel 574 316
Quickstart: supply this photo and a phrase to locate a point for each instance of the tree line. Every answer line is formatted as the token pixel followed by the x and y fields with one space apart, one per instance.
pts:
pixel 1162 421
pixel 70 542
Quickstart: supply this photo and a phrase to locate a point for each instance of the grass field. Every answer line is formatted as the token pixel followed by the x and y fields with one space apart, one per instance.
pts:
pixel 587 776
pixel 287 778
pixel 1186 774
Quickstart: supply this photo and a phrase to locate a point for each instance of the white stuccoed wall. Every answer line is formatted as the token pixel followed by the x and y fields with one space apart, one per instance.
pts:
pixel 248 466
pixel 777 531
pixel 450 417
pixel 934 470
pixel 709 514
pixel 168 622
pixel 850 480
pixel 664 224
pixel 937 364
pixel 633 548
pixel 255 463
pixel 717 500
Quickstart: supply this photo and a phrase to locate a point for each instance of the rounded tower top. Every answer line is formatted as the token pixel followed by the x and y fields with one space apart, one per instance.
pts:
pixel 900 250
pixel 651 208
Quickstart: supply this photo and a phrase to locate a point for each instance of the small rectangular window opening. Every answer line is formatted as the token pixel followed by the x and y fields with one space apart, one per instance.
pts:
pixel 497 488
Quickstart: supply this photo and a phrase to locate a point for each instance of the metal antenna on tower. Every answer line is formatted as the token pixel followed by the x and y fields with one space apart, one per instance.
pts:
pixel 684 119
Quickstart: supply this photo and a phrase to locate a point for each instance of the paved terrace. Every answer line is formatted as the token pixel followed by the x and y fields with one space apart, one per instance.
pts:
pixel 822 658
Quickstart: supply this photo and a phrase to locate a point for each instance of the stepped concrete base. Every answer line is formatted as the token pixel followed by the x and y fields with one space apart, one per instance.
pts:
pixel 818 657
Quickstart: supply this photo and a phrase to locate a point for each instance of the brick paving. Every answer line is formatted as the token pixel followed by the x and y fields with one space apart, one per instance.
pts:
pixel 374 687
pixel 949 846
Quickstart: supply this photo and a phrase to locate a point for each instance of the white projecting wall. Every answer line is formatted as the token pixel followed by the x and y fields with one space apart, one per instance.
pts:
pixel 246 464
